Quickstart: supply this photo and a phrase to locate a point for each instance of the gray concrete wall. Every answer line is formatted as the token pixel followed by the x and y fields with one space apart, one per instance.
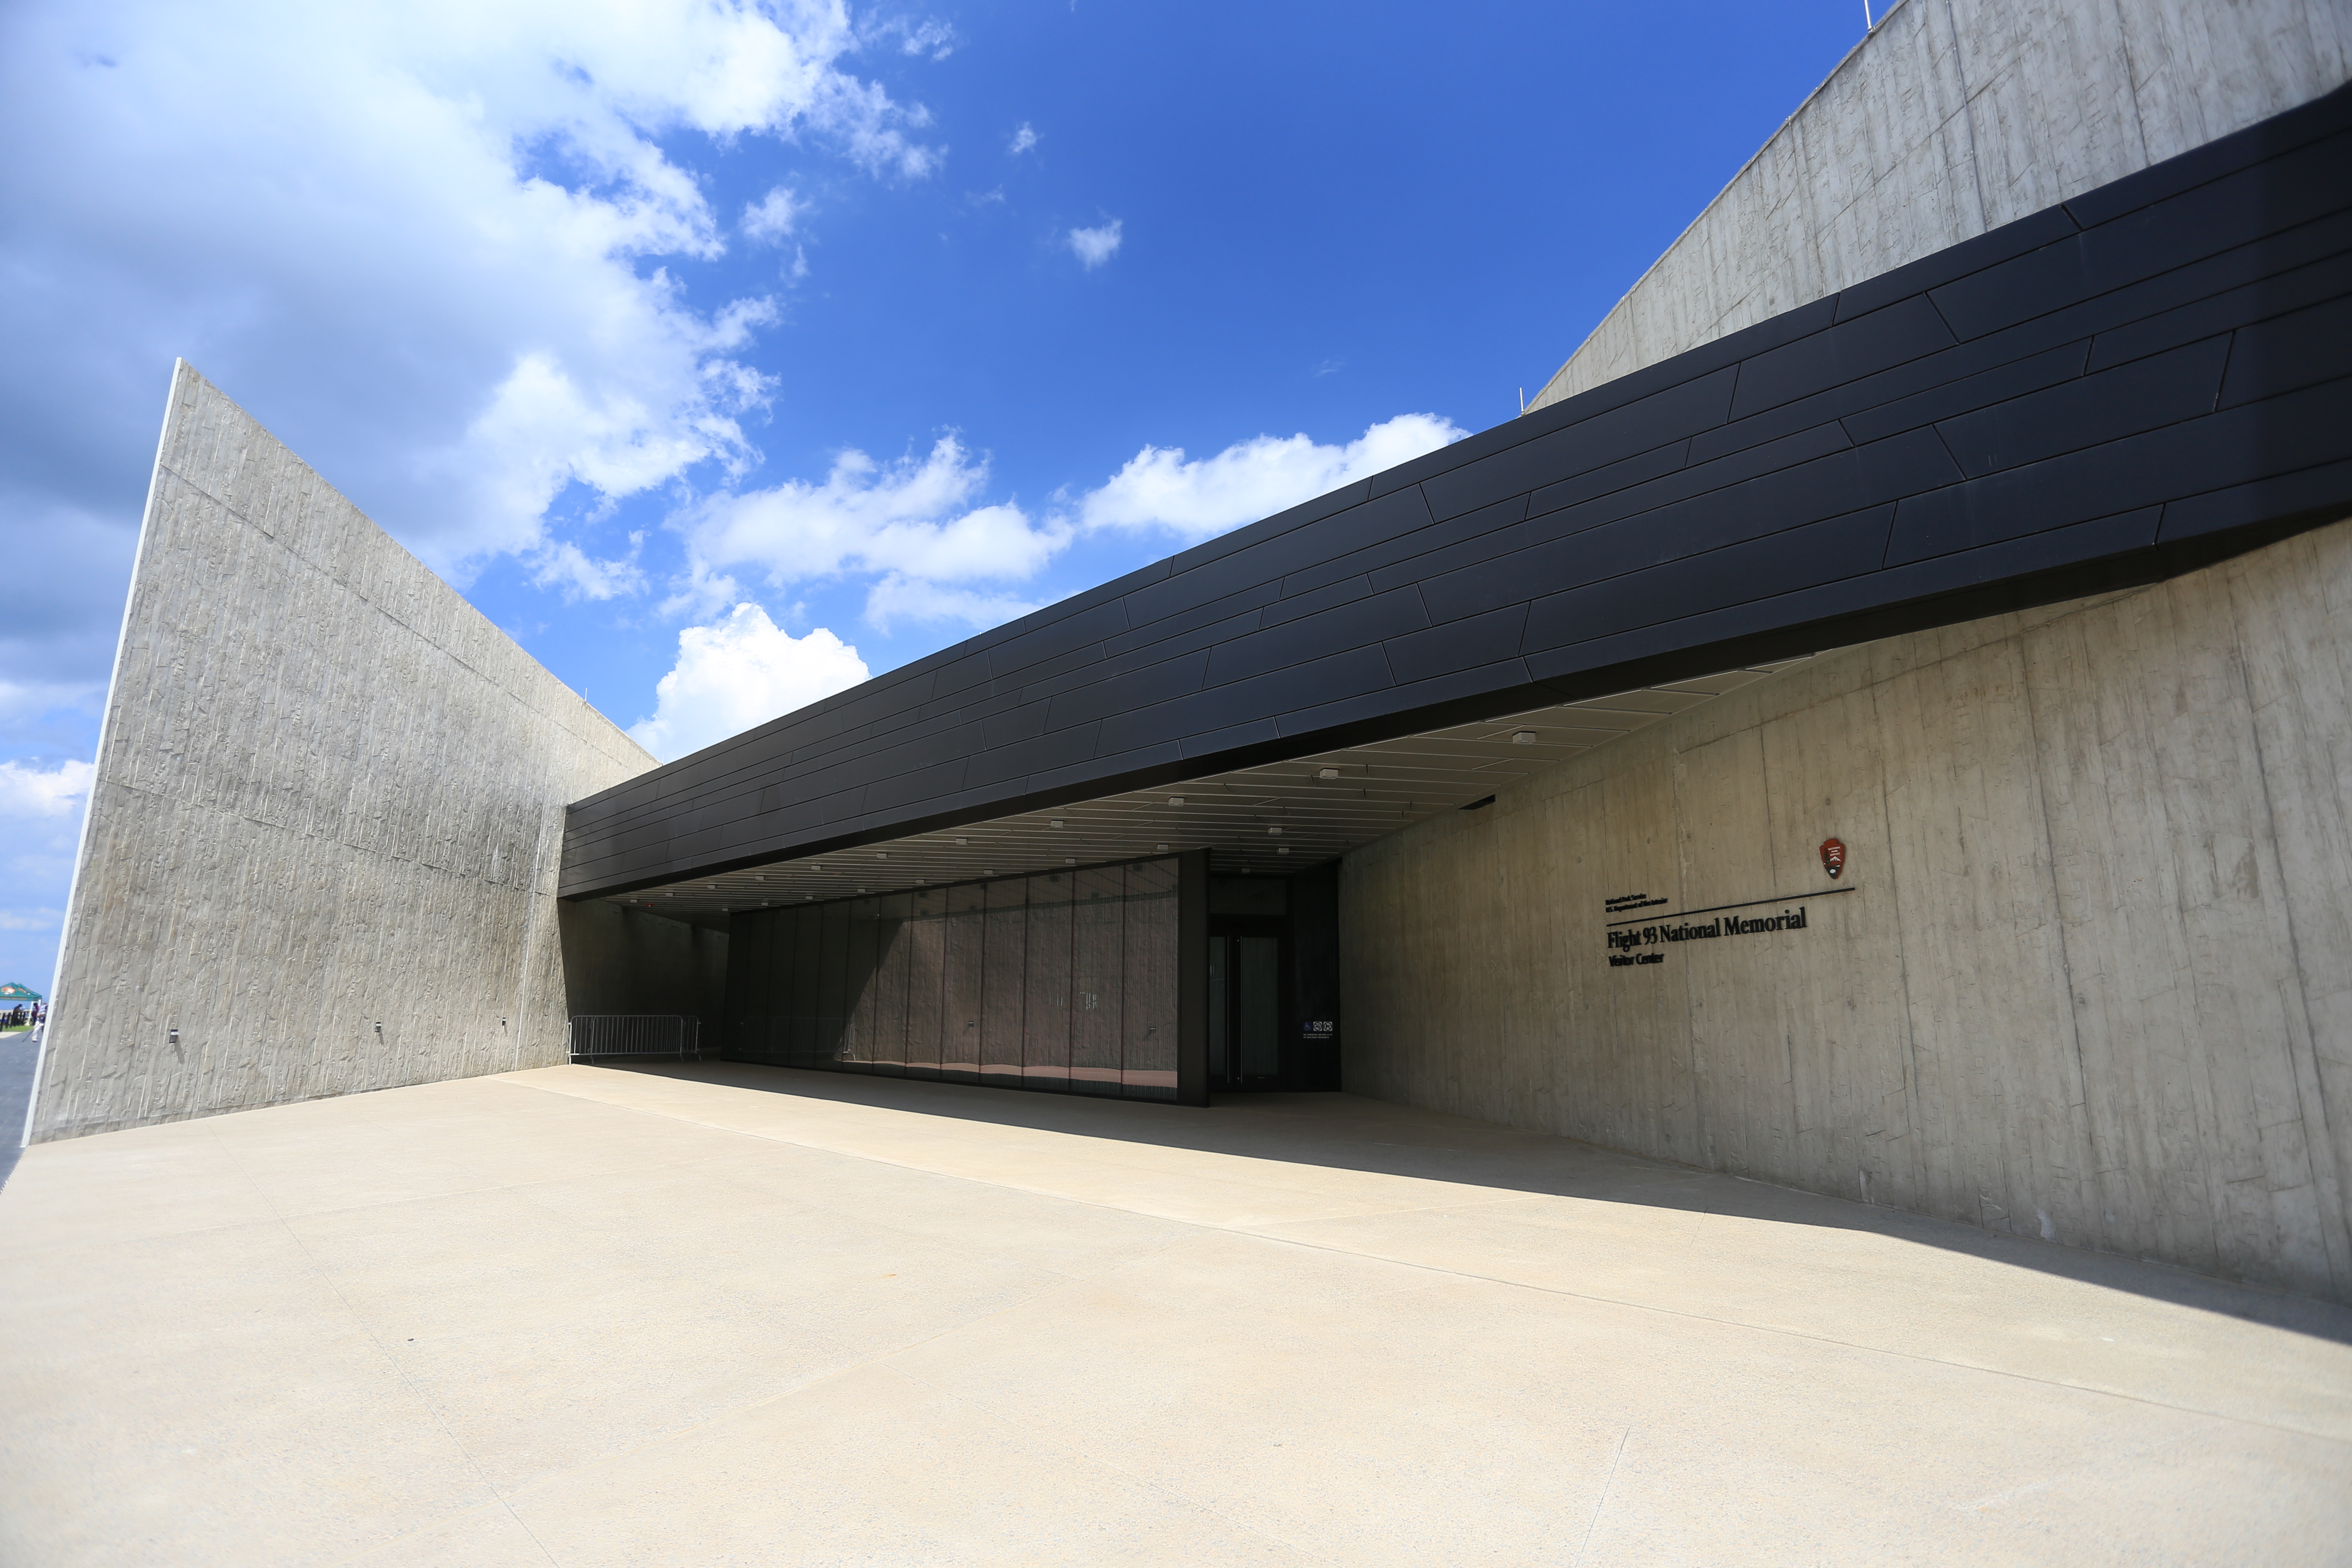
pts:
pixel 329 796
pixel 2093 980
pixel 1953 118
pixel 620 960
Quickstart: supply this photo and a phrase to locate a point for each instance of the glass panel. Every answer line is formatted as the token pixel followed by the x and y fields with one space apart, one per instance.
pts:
pixel 1098 901
pixel 1257 974
pixel 926 939
pixel 1217 946
pixel 1001 978
pixel 833 1004
pixel 808 962
pixel 967 939
pixel 857 1007
pixel 1045 1030
pixel 885 1006
pixel 751 987
pixel 1148 1068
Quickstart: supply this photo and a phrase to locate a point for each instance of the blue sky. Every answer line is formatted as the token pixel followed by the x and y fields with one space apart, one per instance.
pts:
pixel 701 345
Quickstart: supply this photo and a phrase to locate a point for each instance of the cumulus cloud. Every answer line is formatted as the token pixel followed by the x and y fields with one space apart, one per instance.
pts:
pixel 771 218
pixel 421 240
pixel 40 819
pixel 1159 487
pixel 1093 246
pixel 920 518
pixel 898 598
pixel 1024 138
pixel 28 790
pixel 740 671
pixel 576 574
pixel 933 38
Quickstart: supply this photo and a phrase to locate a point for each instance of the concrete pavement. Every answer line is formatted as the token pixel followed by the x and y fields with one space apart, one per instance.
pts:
pixel 734 1315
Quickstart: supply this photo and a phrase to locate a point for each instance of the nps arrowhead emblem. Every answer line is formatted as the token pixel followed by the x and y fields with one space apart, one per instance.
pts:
pixel 1833 857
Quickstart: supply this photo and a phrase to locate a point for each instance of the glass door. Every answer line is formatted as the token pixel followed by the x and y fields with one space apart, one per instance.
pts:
pixel 1244 1011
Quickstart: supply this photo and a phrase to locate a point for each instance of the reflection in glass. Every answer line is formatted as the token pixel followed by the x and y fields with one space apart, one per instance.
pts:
pixel 800 1007
pixel 1257 975
pixel 1099 903
pixel 1064 980
pixel 1046 1032
pixel 926 937
pixel 1148 1068
pixel 886 1004
pixel 967 946
pixel 1002 975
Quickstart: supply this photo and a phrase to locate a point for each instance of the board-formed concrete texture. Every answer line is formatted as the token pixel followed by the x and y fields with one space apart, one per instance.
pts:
pixel 2150 378
pixel 322 841
pixel 2087 974
pixel 1953 118
pixel 748 1316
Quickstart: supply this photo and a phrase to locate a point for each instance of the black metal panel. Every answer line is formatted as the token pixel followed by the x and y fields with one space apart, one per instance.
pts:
pixel 2141 381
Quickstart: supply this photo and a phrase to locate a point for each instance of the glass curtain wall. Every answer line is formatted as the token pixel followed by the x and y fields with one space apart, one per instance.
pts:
pixel 1066 980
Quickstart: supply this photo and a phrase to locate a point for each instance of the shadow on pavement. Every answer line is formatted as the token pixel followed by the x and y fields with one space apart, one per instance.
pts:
pixel 1350 1132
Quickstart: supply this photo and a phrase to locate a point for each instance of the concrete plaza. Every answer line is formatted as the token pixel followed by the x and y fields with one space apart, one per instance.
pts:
pixel 713 1314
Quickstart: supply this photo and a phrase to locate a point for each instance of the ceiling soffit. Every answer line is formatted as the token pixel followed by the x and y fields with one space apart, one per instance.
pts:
pixel 1271 820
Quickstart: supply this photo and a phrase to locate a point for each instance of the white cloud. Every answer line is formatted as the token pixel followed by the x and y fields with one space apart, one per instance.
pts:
pixel 28 791
pixel 412 237
pixel 771 218
pixel 936 40
pixel 31 920
pixel 1093 246
pixel 1252 479
pixel 898 598
pixel 579 576
pixel 738 672
pixel 933 38
pixel 920 518
pixel 1022 139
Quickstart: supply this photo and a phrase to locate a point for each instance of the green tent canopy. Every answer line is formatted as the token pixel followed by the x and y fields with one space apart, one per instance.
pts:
pixel 11 991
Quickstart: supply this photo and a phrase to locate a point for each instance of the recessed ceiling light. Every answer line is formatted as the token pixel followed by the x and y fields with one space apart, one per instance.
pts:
pixel 1175 800
pixel 1055 823
pixel 1523 738
pixel 1273 830
pixel 1285 849
pixel 1071 861
pixel 1328 774
pixel 1160 848
pixel 883 854
pixel 963 840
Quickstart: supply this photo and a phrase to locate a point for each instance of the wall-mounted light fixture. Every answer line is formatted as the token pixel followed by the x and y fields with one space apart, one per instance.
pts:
pixel 1326 774
pixel 1274 830
pixel 1175 800
pixel 963 840
pixel 1160 850
pixel 1523 738
pixel 1055 823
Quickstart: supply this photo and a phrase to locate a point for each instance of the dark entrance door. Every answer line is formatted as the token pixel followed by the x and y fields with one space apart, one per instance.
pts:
pixel 1247 1007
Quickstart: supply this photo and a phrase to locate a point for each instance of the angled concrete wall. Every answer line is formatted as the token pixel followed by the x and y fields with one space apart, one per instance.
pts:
pixel 1953 118
pixel 329 796
pixel 2092 980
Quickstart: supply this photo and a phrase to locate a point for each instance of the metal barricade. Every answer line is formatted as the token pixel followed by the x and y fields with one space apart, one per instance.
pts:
pixel 597 1035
